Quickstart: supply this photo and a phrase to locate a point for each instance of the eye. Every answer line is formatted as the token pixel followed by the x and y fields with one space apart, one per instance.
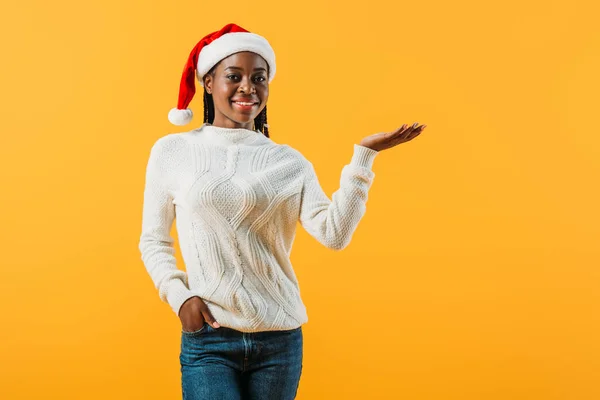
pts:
pixel 232 76
pixel 261 78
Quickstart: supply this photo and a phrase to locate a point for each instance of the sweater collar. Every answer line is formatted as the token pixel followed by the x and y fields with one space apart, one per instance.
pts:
pixel 231 135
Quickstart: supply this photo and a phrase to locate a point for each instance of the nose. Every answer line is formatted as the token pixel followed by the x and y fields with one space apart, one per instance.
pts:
pixel 246 86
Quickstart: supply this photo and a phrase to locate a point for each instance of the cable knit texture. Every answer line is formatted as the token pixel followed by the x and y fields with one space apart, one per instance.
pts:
pixel 238 196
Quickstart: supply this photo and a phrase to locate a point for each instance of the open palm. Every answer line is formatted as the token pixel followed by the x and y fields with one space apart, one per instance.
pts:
pixel 386 140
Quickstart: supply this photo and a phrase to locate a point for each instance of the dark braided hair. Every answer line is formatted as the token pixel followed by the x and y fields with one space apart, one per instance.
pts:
pixel 260 122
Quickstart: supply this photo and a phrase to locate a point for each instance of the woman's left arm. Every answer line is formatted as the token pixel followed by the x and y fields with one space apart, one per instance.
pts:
pixel 333 221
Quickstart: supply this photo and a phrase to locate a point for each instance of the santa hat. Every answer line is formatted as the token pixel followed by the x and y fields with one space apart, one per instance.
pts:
pixel 207 53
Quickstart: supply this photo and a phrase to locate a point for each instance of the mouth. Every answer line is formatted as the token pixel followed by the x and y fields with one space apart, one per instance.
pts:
pixel 244 105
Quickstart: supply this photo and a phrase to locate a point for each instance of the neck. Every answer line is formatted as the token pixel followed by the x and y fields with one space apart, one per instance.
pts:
pixel 228 135
pixel 227 123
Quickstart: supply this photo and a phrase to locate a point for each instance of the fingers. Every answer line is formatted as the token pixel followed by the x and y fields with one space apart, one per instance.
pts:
pixel 405 129
pixel 405 132
pixel 209 318
pixel 401 130
pixel 416 132
pixel 206 314
pixel 194 307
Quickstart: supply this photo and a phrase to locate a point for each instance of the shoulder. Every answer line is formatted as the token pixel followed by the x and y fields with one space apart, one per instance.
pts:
pixel 285 152
pixel 169 142
pixel 168 151
pixel 169 146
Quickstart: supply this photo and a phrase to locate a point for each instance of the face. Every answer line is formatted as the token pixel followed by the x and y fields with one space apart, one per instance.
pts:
pixel 241 77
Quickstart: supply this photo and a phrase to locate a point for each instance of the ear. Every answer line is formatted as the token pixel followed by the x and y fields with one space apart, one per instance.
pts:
pixel 208 83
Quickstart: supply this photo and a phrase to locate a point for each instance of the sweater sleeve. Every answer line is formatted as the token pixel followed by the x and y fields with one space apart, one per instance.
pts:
pixel 156 243
pixel 333 222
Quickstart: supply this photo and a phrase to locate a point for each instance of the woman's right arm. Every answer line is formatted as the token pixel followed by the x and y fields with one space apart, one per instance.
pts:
pixel 156 243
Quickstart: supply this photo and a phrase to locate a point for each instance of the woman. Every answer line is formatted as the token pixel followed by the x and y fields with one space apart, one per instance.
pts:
pixel 237 196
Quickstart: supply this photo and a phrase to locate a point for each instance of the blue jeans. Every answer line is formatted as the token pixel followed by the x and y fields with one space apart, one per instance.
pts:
pixel 226 364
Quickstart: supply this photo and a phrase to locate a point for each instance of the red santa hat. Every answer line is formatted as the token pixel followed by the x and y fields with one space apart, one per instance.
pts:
pixel 207 53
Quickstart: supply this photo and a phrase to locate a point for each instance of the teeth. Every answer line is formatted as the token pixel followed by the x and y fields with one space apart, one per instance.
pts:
pixel 244 104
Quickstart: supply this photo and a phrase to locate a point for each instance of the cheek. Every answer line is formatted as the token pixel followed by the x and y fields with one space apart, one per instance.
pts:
pixel 264 93
pixel 222 97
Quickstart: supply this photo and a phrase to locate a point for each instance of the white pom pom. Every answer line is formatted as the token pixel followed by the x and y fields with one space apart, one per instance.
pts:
pixel 180 117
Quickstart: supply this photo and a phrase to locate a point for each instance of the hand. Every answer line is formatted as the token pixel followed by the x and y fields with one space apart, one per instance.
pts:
pixel 193 313
pixel 381 141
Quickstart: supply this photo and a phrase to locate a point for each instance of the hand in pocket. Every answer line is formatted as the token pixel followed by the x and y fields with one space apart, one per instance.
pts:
pixel 193 313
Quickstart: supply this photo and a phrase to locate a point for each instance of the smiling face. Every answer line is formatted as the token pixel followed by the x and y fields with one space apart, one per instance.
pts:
pixel 240 89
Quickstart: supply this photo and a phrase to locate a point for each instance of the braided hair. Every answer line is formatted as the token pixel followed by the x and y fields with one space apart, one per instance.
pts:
pixel 260 122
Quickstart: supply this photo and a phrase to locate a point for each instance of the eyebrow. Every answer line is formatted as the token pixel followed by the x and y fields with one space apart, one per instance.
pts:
pixel 256 69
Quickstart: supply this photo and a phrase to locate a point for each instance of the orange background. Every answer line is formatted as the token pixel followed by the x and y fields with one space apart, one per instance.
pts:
pixel 474 273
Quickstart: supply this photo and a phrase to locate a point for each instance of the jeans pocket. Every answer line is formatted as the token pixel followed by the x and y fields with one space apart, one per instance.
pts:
pixel 196 332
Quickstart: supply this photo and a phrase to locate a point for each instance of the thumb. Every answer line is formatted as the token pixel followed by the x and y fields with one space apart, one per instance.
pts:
pixel 210 319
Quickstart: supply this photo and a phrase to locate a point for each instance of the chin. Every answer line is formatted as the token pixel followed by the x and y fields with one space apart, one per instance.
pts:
pixel 242 117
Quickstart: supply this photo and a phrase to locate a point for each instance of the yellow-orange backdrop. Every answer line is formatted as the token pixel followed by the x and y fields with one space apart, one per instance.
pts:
pixel 474 273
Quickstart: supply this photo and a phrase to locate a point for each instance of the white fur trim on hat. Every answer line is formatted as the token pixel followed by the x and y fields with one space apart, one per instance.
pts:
pixel 231 43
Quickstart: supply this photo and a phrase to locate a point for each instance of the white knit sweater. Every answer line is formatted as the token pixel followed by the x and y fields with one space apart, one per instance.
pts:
pixel 238 196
